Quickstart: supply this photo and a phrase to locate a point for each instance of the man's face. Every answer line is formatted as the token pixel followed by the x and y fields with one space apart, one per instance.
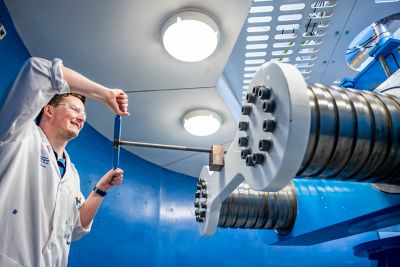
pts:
pixel 69 117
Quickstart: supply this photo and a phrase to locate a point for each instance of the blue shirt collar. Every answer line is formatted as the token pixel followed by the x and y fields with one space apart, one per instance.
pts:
pixel 62 163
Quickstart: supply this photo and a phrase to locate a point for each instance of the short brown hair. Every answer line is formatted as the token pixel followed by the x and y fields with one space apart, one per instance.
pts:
pixel 57 99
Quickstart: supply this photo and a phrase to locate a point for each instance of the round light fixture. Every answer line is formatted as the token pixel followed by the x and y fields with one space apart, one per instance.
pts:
pixel 201 122
pixel 190 36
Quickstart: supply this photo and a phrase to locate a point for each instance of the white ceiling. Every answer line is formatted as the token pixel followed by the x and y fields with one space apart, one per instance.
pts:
pixel 118 44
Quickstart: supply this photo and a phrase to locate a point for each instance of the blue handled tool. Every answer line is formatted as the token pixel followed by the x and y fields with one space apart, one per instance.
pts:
pixel 117 141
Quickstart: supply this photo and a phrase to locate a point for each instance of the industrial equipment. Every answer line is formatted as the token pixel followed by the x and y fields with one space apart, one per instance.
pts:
pixel 306 146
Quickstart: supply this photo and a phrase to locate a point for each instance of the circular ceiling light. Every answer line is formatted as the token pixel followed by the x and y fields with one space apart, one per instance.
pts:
pixel 201 122
pixel 190 36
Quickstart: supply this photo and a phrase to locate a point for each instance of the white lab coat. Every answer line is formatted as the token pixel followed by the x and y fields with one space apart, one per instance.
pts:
pixel 39 211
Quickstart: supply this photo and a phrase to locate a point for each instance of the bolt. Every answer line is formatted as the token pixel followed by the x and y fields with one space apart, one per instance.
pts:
pixel 198 186
pixel 324 62
pixel 258 158
pixel 243 141
pixel 256 89
pixel 347 32
pixel 243 125
pixel 245 152
pixel 197 204
pixel 268 106
pixel 204 205
pixel 205 194
pixel 265 92
pixel 250 98
pixel 197 194
pixel 265 144
pixel 269 125
pixel 249 160
pixel 246 110
pixel 197 213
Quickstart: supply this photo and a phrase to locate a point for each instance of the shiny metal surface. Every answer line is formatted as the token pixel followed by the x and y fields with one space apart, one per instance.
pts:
pixel 355 136
pixel 345 130
pixel 362 138
pixel 162 146
pixel 327 124
pixel 247 208
pixel 389 170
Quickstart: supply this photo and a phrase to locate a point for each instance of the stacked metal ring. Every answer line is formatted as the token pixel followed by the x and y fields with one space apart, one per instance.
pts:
pixel 355 136
pixel 247 208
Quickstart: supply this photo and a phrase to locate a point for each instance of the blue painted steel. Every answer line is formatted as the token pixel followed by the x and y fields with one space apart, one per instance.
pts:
pixel 356 53
pixel 373 74
pixel 332 210
pixel 385 250
pixel 12 52
pixel 117 137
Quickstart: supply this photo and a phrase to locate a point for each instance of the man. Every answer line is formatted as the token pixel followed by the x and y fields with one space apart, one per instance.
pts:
pixel 41 206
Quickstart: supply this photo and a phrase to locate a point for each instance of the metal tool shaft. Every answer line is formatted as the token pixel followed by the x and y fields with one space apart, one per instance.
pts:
pixel 139 144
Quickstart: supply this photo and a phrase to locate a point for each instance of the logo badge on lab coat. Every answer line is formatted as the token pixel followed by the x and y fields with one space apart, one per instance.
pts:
pixel 78 201
pixel 44 161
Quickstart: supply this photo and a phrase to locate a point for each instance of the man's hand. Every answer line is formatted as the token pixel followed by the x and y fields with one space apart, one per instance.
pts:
pixel 111 178
pixel 117 101
pixel 92 203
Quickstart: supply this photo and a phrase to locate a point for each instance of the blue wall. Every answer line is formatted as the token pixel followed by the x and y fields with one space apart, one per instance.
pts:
pixel 12 52
pixel 149 220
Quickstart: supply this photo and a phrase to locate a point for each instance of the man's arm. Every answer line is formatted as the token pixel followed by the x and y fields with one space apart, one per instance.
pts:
pixel 89 208
pixel 37 82
pixel 115 99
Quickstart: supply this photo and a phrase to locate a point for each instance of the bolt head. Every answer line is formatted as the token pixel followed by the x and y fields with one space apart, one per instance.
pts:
pixel 243 125
pixel 249 160
pixel 269 106
pixel 265 145
pixel 245 152
pixel 243 141
pixel 246 110
pixel 250 98
pixel 258 158
pixel 256 89
pixel 265 92
pixel 269 125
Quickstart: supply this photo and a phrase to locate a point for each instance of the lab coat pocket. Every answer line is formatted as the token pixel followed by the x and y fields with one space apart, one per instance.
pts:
pixel 8 262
